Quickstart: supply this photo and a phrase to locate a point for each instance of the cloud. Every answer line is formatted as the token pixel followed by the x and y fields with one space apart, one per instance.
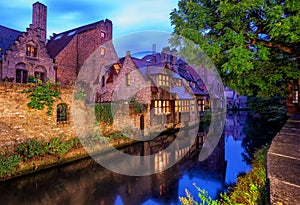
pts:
pixel 130 16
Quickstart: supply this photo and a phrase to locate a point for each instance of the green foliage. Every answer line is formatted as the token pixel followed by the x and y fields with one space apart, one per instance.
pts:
pixel 104 112
pixel 43 95
pixel 30 149
pixel 253 44
pixel 205 199
pixel 58 146
pixel 272 110
pixel 9 164
pixel 79 94
pixel 136 105
pixel 251 188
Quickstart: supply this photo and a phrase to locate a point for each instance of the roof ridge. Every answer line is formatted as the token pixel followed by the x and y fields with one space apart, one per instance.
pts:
pixel 11 29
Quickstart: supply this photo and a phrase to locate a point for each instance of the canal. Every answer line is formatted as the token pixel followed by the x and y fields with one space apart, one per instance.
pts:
pixel 86 182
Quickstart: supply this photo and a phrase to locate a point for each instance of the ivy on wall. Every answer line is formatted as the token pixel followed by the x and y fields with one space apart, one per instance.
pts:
pixel 43 95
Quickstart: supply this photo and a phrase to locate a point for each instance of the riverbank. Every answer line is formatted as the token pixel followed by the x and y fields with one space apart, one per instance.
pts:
pixel 35 155
pixel 250 188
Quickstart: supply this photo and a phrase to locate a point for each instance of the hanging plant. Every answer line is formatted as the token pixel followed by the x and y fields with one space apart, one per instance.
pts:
pixel 42 95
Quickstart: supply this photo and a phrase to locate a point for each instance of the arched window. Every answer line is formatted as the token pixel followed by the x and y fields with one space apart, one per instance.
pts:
pixel 62 112
pixel 21 73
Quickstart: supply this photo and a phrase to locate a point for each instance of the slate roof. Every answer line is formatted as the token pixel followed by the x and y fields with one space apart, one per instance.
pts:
pixel 7 38
pixel 59 41
pixel 181 93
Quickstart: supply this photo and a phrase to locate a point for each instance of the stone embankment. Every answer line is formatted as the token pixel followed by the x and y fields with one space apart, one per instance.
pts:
pixel 283 164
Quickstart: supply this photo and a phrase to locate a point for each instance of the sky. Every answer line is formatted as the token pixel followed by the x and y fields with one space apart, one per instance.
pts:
pixel 127 16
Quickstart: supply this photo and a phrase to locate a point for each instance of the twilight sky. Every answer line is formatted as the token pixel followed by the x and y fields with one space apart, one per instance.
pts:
pixel 127 16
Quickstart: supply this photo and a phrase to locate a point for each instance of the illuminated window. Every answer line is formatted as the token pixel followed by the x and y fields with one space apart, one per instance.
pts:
pixel 102 51
pixel 102 35
pixel 62 113
pixel 295 92
pixel 200 103
pixel 163 80
pixel 177 82
pixel 127 79
pixel 31 51
pixel 161 107
pixel 182 106
pixel 193 108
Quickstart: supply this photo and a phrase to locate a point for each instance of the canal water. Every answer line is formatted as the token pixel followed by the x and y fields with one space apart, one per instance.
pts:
pixel 86 182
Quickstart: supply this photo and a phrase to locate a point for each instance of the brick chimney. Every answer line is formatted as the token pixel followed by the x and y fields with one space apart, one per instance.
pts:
pixel 39 19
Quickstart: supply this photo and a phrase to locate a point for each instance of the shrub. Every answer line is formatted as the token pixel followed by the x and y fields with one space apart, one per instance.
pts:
pixel 9 164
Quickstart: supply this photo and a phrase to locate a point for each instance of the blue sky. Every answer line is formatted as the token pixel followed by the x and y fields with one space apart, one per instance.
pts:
pixel 127 16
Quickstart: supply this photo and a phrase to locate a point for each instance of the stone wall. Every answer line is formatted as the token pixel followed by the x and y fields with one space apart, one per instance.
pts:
pixel 19 123
pixel 283 164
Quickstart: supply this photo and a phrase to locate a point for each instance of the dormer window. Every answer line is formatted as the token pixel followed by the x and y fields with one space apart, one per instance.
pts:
pixel 178 82
pixel 31 49
pixel 163 80
pixel 103 34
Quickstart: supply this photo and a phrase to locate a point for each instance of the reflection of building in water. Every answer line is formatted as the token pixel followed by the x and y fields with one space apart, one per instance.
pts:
pixel 236 124
pixel 216 160
pixel 85 182
pixel 234 100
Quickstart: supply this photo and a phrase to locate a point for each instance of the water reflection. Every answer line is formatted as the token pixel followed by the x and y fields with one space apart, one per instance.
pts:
pixel 86 182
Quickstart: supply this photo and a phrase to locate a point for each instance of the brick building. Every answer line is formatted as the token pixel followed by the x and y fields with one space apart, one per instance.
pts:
pixel 25 55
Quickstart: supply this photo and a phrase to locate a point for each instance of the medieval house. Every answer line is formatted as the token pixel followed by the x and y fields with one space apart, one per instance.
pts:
pixel 169 98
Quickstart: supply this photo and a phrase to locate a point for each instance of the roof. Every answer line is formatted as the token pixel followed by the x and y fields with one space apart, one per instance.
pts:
pixel 7 38
pixel 59 41
pixel 181 92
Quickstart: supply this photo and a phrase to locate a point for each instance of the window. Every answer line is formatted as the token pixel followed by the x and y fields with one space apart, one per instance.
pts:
pixel 161 107
pixel 200 103
pixel 40 75
pixel 127 79
pixel 182 105
pixel 193 105
pixel 163 80
pixel 102 51
pixel 62 113
pixel 102 34
pixel 178 82
pixel 21 76
pixel 295 92
pixel 31 51
pixel 103 81
pixel 21 73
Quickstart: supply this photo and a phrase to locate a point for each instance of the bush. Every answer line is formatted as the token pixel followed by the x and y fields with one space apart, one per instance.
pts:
pixel 9 164
pixel 30 149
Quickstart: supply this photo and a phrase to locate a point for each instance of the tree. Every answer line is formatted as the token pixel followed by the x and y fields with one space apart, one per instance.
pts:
pixel 255 44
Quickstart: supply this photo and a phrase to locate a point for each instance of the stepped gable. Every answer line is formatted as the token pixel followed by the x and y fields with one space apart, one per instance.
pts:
pixel 7 38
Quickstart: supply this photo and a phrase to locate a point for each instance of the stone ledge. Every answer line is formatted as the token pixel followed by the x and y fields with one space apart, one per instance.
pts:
pixel 283 164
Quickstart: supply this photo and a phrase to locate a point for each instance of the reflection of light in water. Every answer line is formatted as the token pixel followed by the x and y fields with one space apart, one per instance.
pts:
pixel 161 160
pixel 118 201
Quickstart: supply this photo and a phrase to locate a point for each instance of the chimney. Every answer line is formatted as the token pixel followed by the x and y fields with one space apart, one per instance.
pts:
pixel 39 19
